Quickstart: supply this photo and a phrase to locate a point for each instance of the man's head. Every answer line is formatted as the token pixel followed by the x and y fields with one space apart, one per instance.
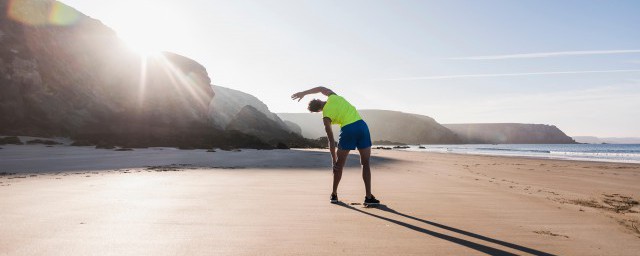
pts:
pixel 315 105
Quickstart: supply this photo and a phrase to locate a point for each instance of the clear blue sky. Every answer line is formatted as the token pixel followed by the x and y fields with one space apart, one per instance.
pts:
pixel 574 64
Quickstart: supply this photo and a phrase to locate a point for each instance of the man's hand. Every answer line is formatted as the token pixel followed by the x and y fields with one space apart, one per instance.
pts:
pixel 298 96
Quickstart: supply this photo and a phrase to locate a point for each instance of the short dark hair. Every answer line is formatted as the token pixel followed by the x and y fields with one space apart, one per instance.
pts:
pixel 315 105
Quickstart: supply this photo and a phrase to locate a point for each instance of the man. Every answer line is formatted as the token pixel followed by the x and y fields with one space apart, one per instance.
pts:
pixel 354 133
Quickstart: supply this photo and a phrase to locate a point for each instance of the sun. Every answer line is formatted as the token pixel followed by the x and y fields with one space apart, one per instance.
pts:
pixel 143 46
pixel 149 27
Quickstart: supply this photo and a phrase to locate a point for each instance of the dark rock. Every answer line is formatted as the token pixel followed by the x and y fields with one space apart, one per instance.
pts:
pixel 45 142
pixel 124 149
pixel 386 142
pixel 211 150
pixel 82 143
pixel 282 146
pixel 104 145
pixel 226 148
pixel 10 140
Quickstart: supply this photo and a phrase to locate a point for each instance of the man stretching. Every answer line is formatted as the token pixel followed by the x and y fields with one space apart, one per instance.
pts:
pixel 354 133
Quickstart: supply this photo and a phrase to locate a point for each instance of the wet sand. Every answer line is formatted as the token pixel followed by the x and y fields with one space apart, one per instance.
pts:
pixel 79 201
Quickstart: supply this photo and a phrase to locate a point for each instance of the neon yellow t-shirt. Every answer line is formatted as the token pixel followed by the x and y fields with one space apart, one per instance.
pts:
pixel 340 111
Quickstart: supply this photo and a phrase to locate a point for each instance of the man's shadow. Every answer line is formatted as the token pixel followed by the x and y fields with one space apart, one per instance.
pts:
pixel 479 247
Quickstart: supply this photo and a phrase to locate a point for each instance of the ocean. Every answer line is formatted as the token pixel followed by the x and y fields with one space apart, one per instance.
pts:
pixel 622 153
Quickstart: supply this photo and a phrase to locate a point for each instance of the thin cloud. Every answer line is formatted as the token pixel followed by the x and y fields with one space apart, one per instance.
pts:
pixel 513 74
pixel 545 55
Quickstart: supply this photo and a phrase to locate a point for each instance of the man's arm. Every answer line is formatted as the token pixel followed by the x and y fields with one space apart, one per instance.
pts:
pixel 332 142
pixel 320 89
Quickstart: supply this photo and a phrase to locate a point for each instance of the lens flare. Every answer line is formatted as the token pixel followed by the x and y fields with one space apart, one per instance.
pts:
pixel 42 13
pixel 63 15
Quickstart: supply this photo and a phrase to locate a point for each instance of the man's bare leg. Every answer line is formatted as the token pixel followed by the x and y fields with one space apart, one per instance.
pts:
pixel 337 168
pixel 365 154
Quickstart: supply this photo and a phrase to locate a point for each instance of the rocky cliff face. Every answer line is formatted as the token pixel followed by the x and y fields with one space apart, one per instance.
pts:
pixel 65 74
pixel 66 79
pixel 510 133
pixel 252 121
pixel 230 102
pixel 239 111
pixel 384 125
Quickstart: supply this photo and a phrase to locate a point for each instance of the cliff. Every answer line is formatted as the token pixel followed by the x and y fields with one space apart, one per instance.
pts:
pixel 252 121
pixel 243 112
pixel 65 74
pixel 510 133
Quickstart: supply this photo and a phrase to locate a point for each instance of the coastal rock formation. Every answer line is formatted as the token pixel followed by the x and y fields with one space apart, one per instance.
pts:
pixel 384 125
pixel 243 112
pixel 252 121
pixel 510 133
pixel 230 102
pixel 68 79
pixel 65 74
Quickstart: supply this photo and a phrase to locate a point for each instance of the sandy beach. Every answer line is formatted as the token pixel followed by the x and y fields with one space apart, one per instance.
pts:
pixel 83 201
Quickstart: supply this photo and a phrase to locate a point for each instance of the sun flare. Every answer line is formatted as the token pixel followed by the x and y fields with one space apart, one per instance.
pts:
pixel 149 27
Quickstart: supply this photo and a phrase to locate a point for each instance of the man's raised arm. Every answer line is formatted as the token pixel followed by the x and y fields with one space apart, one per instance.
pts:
pixel 320 89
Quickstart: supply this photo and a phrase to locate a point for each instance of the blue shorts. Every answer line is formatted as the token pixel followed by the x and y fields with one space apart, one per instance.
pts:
pixel 354 135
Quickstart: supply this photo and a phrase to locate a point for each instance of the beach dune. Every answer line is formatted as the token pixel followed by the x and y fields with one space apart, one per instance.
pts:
pixel 256 202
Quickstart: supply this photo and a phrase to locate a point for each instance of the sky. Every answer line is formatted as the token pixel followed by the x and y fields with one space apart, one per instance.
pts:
pixel 573 64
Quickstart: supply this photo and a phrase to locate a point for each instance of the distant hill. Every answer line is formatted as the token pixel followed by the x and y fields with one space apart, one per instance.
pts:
pixel 418 129
pixel 384 125
pixel 510 133
pixel 610 140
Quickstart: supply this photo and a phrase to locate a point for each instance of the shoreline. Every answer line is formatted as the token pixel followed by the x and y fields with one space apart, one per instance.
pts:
pixel 529 157
pixel 480 149
pixel 38 158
